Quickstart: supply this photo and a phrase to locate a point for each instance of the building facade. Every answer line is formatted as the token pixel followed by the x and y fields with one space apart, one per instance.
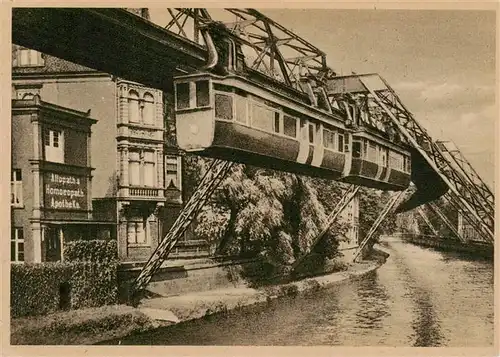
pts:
pixel 136 177
pixel 51 179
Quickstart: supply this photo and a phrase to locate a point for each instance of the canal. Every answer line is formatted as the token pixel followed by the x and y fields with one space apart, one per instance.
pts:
pixel 420 297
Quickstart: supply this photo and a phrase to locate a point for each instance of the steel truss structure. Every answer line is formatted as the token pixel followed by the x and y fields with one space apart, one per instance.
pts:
pixel 433 207
pixel 427 221
pixel 395 198
pixel 217 171
pixel 463 192
pixel 346 198
pixel 268 47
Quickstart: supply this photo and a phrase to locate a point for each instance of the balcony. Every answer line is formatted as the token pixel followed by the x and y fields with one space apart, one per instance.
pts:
pixel 142 193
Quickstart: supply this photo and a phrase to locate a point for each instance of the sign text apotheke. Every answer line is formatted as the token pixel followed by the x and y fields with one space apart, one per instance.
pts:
pixel 65 192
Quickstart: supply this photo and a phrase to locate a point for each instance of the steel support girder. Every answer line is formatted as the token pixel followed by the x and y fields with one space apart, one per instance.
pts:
pixel 113 41
pixel 266 37
pixel 214 176
pixel 446 221
pixel 471 220
pixel 346 198
pixel 390 205
pixel 417 135
pixel 427 221
pixel 470 173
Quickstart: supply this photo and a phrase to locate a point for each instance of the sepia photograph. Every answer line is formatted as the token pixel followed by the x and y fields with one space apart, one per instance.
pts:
pixel 250 176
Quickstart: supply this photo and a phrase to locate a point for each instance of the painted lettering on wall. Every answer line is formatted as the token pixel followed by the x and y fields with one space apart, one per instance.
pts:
pixel 65 192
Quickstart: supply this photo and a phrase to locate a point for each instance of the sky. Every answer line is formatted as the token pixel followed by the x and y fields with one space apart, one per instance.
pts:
pixel 440 62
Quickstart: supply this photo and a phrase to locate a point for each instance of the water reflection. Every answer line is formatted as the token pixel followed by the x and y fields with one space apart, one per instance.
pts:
pixel 426 325
pixel 372 303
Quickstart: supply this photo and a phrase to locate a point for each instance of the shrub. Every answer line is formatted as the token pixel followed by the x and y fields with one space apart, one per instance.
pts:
pixel 41 288
pixel 35 288
pixel 91 250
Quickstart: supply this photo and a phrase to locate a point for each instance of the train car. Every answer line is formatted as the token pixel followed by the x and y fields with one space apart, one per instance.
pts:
pixel 378 163
pixel 231 118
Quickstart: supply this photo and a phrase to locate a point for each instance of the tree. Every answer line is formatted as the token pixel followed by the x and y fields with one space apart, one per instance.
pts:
pixel 266 212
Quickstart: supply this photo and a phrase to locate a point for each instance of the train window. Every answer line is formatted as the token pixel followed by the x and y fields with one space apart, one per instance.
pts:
pixel 356 149
pixel 371 154
pixel 241 109
pixel 383 157
pixel 407 164
pixel 328 139
pixel 223 106
pixel 202 94
pixel 290 126
pixel 182 91
pixel 276 125
pixel 311 132
pixel 262 118
pixel 346 142
pixel 341 143
pixel 396 161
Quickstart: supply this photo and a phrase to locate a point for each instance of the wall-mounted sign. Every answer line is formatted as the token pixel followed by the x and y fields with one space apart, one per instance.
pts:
pixel 65 192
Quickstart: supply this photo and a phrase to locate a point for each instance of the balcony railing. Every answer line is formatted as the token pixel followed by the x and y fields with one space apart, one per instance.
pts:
pixel 149 192
pixel 142 192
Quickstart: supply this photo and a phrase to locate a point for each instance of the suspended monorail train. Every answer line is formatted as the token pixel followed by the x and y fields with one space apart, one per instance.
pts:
pixel 230 118
pixel 236 113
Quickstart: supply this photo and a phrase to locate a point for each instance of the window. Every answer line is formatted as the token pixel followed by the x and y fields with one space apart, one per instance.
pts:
pixel 17 245
pixel 290 126
pixel 371 154
pixel 241 109
pixel 262 118
pixel 192 94
pixel 356 149
pixel 134 168
pixel 182 95
pixel 396 161
pixel 311 132
pixel 341 142
pixel 276 125
pixel 149 168
pixel 328 139
pixel 133 107
pixel 28 58
pixel 141 110
pixel 383 157
pixel 407 164
pixel 172 171
pixel 16 188
pixel 54 145
pixel 223 106
pixel 142 168
pixel 138 232
pixel 202 94
pixel 148 111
